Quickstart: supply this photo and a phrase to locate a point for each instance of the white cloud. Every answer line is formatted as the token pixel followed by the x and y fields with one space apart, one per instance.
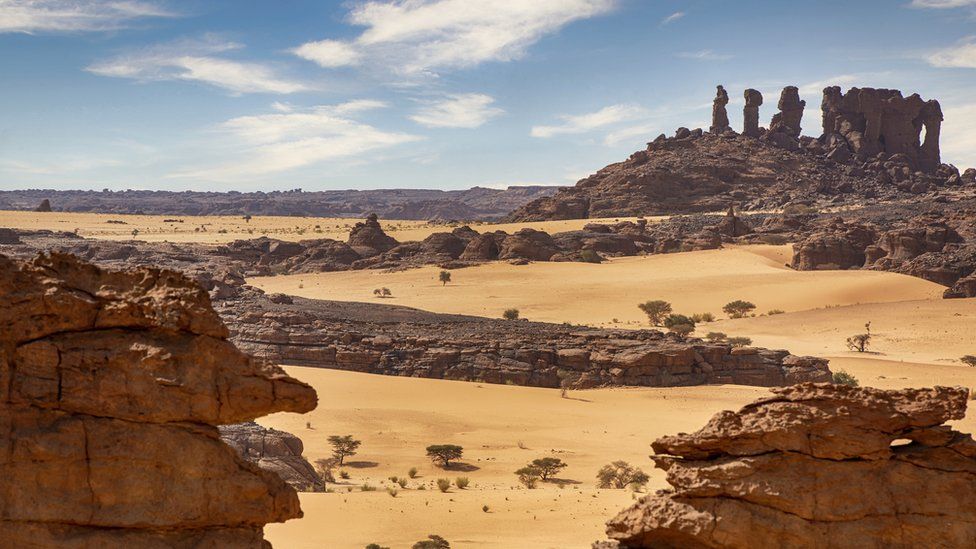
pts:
pixel 272 143
pixel 194 60
pixel 962 55
pixel 466 110
pixel 703 55
pixel 957 140
pixel 583 123
pixel 672 18
pixel 942 4
pixel 413 37
pixel 30 16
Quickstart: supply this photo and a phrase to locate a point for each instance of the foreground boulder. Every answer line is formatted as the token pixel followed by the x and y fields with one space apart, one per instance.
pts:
pixel 815 465
pixel 113 383
pixel 275 451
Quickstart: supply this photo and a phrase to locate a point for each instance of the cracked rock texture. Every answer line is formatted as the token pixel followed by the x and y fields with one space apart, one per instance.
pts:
pixel 111 387
pixel 275 451
pixel 815 465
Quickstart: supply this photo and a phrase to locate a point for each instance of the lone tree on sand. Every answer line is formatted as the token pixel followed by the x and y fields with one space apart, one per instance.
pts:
pixel 738 308
pixel 444 277
pixel 620 474
pixel 679 324
pixel 433 541
pixel 656 311
pixel 343 446
pixel 444 453
pixel 529 476
pixel 548 466
pixel 969 360
pixel 860 342
pixel 511 314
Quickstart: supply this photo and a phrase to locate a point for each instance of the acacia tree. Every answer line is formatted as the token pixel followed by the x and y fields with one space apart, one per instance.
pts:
pixel 655 310
pixel 738 308
pixel 444 453
pixel 444 277
pixel 860 342
pixel 324 467
pixel 620 474
pixel 529 476
pixel 343 446
pixel 548 466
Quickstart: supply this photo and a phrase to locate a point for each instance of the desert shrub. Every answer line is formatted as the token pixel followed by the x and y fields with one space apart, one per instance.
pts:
pixel 620 474
pixel 775 312
pixel 443 484
pixel 392 491
pixel 324 467
pixel 860 342
pixel 715 337
pixel 376 546
pixel 548 466
pixel 378 292
pixel 682 330
pixel 444 277
pixel 386 292
pixel 462 482
pixel 589 256
pixel 394 479
pixel 443 453
pixel 529 476
pixel 738 308
pixel 344 475
pixel 402 482
pixel 412 473
pixel 841 377
pixel 433 541
pixel 511 314
pixel 969 360
pixel 739 341
pixel 703 317
pixel 679 324
pixel 343 446
pixel 484 508
pixel 656 311
pixel 367 488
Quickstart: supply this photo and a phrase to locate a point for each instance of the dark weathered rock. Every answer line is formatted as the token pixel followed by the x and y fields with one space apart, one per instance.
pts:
pixel 275 451
pixel 815 466
pixel 368 239
pixel 750 113
pixel 720 116
pixel 787 120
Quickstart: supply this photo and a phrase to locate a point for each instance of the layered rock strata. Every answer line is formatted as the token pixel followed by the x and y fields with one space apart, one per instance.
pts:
pixel 815 465
pixel 112 384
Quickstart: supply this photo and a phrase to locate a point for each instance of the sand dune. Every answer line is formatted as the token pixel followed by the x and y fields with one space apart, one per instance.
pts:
pixel 397 417
pixel 582 293
pixel 227 228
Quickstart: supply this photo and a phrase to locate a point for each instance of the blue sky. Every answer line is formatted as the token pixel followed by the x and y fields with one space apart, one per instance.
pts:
pixel 249 95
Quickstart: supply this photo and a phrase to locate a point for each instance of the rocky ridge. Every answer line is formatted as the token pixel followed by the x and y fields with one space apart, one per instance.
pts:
pixel 113 383
pixel 815 465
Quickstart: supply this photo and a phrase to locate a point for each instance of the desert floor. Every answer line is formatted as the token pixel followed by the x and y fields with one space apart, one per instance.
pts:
pixel 221 229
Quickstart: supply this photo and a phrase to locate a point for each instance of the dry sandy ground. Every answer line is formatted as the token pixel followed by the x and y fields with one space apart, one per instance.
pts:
pixel 220 229
pixel 396 418
pixel 583 293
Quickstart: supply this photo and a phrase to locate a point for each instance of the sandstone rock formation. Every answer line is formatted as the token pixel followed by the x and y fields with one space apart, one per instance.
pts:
pixel 720 117
pixel 44 206
pixel 869 121
pixel 750 113
pixel 368 239
pixel 112 385
pixel 815 465
pixel 275 451
pixel 787 120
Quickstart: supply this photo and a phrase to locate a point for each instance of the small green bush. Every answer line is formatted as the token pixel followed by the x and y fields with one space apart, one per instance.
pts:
pixel 738 308
pixel 841 377
pixel 739 341
pixel 775 312
pixel 412 473
pixel 715 337
pixel 443 484
pixel 462 482
pixel 511 314
pixel 703 317
pixel 656 311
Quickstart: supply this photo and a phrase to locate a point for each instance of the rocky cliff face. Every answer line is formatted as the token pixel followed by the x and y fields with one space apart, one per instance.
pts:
pixel 112 385
pixel 401 341
pixel 815 465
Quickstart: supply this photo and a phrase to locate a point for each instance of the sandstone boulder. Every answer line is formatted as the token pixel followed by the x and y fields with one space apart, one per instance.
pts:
pixel 275 451
pixel 815 465
pixel 368 239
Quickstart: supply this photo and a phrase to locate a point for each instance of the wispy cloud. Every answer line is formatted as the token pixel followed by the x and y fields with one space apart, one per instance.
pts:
pixel 703 55
pixel 582 123
pixel 962 55
pixel 418 36
pixel 942 4
pixel 672 18
pixel 467 110
pixel 33 16
pixel 196 60
pixel 273 143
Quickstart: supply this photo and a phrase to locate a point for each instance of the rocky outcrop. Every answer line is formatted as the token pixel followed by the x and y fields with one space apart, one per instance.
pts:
pixel 720 116
pixel 392 340
pixel 275 451
pixel 815 465
pixel 750 113
pixel 113 385
pixel 44 206
pixel 368 239
pixel 839 245
pixel 787 120
pixel 528 244
pixel 870 121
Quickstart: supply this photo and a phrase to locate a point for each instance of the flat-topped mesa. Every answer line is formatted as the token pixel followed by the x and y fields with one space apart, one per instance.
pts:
pixel 871 121
pixel 787 120
pixel 720 117
pixel 113 383
pixel 750 113
pixel 815 465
